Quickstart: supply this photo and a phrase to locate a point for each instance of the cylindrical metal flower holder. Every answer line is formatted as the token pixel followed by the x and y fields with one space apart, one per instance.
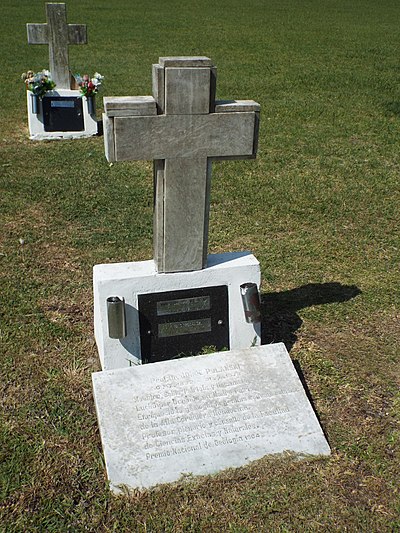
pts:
pixel 35 104
pixel 91 103
pixel 116 317
pixel 251 302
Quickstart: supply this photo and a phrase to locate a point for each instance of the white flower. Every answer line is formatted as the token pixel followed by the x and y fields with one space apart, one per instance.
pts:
pixel 98 76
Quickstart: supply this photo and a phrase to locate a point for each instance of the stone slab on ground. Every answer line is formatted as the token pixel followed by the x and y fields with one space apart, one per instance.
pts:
pixel 203 414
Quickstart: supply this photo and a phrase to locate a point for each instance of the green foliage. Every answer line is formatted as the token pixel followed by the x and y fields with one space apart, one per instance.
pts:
pixel 318 207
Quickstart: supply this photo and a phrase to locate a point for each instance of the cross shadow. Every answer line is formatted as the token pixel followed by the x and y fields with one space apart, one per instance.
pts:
pixel 280 320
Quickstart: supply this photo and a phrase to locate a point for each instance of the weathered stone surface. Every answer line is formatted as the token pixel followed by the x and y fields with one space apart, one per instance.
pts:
pixel 175 136
pixel 120 106
pixel 187 91
pixel 37 33
pixel 185 198
pixel 158 87
pixel 109 138
pixel 58 35
pixel 225 106
pixel 158 214
pixel 77 34
pixel 202 414
pixel 185 61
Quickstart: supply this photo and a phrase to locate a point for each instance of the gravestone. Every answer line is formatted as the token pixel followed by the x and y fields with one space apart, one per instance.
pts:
pixel 198 414
pixel 62 113
pixel 182 128
pixel 201 415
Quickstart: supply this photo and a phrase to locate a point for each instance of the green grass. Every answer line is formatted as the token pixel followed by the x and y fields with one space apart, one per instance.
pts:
pixel 318 207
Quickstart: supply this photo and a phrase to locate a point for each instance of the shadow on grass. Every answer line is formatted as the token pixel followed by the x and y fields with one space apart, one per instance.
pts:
pixel 393 108
pixel 280 320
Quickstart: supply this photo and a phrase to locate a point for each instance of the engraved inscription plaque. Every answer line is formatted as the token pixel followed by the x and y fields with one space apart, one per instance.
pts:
pixel 171 329
pixel 180 323
pixel 202 414
pixel 62 113
pixel 183 305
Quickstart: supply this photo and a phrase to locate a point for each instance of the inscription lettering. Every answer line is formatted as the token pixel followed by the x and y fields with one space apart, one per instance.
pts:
pixel 172 329
pixel 224 409
pixel 62 103
pixel 183 305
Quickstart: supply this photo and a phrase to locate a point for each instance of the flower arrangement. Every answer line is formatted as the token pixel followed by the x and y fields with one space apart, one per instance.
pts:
pixel 89 86
pixel 38 83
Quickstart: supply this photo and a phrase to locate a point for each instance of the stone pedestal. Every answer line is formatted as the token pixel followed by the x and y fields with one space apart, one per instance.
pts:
pixel 130 280
pixel 62 98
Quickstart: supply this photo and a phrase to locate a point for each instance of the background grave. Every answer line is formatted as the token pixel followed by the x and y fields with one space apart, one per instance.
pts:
pixel 62 112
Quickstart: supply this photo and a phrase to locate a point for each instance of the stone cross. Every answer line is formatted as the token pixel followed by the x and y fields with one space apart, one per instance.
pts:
pixel 182 129
pixel 58 35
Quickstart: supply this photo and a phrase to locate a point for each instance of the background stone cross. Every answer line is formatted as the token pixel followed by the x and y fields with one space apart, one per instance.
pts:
pixel 58 35
pixel 182 129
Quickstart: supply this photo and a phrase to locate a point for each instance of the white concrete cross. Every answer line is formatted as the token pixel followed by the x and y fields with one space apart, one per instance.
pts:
pixel 58 35
pixel 182 129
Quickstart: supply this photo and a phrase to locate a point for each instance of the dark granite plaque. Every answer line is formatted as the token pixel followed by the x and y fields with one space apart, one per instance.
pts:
pixel 182 323
pixel 63 113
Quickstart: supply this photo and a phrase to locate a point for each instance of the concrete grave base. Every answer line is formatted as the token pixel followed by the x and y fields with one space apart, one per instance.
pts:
pixel 128 280
pixel 202 414
pixel 36 120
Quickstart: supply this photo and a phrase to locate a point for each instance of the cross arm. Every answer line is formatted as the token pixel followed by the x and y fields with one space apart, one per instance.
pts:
pixel 144 135
pixel 247 106
pixel 77 34
pixel 37 33
pixel 176 136
pixel 122 106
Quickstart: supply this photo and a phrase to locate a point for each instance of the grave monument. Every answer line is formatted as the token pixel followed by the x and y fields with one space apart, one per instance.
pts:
pixel 205 412
pixel 62 112
pixel 184 299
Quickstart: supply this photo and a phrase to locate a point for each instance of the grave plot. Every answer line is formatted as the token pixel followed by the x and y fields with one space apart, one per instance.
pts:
pixel 61 112
pixel 172 414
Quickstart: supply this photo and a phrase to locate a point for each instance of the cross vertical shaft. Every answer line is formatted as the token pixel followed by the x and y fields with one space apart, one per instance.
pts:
pixel 182 185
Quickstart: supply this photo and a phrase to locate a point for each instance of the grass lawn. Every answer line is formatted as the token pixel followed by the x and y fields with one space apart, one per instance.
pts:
pixel 319 208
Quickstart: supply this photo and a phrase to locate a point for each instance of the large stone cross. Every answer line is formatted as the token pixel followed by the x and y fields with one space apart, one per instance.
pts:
pixel 182 129
pixel 58 35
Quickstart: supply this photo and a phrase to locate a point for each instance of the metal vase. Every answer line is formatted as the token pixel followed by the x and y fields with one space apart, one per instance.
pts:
pixel 35 104
pixel 251 302
pixel 116 317
pixel 91 105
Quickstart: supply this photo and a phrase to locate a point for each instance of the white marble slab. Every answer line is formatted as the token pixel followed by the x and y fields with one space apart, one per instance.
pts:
pixel 201 415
